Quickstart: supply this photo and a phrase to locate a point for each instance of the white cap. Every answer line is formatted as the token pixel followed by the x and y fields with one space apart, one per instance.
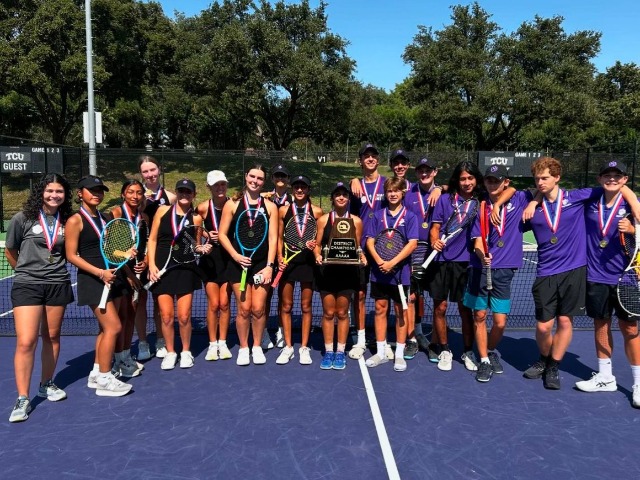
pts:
pixel 215 176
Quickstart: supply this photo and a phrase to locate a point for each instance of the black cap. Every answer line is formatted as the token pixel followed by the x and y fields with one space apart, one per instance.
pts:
pixel 366 147
pixel 301 179
pixel 341 186
pixel 497 171
pixel 91 181
pixel 279 169
pixel 426 162
pixel 399 153
pixel 186 183
pixel 613 165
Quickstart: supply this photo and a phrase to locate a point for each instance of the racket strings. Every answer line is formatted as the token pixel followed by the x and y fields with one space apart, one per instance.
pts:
pixel 419 255
pixel 292 231
pixel 462 216
pixel 184 248
pixel 118 240
pixel 389 244
pixel 629 290
pixel 250 234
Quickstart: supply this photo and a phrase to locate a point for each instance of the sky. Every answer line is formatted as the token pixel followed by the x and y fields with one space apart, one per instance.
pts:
pixel 379 30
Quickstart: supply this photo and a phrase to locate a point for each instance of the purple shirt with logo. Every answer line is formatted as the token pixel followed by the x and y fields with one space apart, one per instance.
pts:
pixel 570 248
pixel 408 226
pixel 604 265
pixel 509 255
pixel 456 249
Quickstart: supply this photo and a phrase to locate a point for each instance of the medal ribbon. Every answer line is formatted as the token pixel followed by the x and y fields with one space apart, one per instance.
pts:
pixel 175 225
pixel 503 219
pixel 461 215
pixel 424 206
pixel 279 200
pixel 247 206
pixel 214 219
pixel 333 216
pixel 401 215
pixel 605 224
pixel 371 202
pixel 50 233
pixel 546 209
pixel 300 226
pixel 125 211
pixel 92 222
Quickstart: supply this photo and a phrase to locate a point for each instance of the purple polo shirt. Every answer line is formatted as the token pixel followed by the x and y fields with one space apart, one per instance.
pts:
pixel 408 226
pixel 570 250
pixel 509 255
pixel 604 265
pixel 412 201
pixel 360 207
pixel 456 248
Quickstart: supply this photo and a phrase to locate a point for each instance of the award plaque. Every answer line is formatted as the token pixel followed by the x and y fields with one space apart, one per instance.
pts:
pixel 342 248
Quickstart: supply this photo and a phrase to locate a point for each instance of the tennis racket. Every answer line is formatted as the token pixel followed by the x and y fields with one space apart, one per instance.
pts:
pixel 460 219
pixel 300 229
pixel 251 232
pixel 629 283
pixel 143 236
pixel 418 257
pixel 484 234
pixel 118 240
pixel 186 248
pixel 388 244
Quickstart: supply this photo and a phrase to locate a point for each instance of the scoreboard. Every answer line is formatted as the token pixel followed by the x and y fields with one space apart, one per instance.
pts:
pixel 518 163
pixel 28 160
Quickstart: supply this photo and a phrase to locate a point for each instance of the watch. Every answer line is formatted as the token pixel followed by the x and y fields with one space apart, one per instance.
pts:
pixel 271 264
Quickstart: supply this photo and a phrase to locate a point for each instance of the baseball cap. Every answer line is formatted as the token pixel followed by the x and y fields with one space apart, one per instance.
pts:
pixel 426 162
pixel 279 169
pixel 399 153
pixel 613 165
pixel 301 179
pixel 366 147
pixel 91 181
pixel 186 183
pixel 215 176
pixel 341 186
pixel 497 171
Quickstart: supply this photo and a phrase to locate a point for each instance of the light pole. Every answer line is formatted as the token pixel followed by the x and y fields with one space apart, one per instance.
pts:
pixel 93 167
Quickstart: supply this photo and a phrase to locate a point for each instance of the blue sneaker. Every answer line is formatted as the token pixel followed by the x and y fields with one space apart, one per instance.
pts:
pixel 339 361
pixel 327 361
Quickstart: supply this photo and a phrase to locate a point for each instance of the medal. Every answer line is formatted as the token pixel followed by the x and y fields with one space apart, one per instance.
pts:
pixel 363 199
pixel 554 240
pixel 500 243
pixel 370 214
pixel 50 258
pixel 605 222
pixel 603 243
pixel 389 245
pixel 250 233
pixel 425 224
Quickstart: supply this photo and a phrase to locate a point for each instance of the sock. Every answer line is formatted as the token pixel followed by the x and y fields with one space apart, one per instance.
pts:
pixel 381 347
pixel 635 371
pixel 605 368
pixel 341 347
pixel 361 337
pixel 551 362
pixel 443 347
pixel 418 329
pixel 222 343
pixel 484 360
pixel 412 340
pixel 213 344
pixel 328 347
pixel 96 368
pixel 118 358
pixel 126 353
pixel 400 350
pixel 279 333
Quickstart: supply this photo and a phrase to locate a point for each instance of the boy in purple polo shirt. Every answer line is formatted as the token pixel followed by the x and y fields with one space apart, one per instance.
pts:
pixel 605 217
pixel 560 286
pixel 384 286
pixel 505 257
pixel 365 206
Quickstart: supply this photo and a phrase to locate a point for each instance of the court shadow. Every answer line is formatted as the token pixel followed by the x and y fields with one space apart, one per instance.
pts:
pixel 75 369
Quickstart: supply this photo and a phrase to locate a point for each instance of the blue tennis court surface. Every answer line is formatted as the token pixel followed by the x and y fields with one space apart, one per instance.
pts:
pixel 218 420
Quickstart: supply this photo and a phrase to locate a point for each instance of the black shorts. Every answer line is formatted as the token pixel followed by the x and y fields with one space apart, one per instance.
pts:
pixel 385 291
pixel 560 294
pixel 46 294
pixel 602 301
pixel 448 280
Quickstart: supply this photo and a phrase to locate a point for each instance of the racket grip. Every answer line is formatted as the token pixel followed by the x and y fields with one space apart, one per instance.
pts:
pixel 103 300
pixel 430 258
pixel 489 279
pixel 136 293
pixel 403 297
pixel 151 283
pixel 276 280
pixel 243 280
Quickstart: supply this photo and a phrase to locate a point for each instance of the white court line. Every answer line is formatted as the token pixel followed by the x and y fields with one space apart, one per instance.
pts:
pixel 383 439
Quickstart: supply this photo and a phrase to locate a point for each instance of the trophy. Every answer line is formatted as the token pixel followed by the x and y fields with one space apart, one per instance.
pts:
pixel 342 248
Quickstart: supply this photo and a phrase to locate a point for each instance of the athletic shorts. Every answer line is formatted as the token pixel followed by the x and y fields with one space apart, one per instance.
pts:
pixel 560 294
pixel 477 297
pixel 46 294
pixel 602 301
pixel 448 281
pixel 385 291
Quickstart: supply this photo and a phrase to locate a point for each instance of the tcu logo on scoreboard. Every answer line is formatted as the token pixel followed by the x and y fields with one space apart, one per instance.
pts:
pixel 14 157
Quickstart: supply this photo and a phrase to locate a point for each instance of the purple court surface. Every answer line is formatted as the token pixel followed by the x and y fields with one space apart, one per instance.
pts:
pixel 218 420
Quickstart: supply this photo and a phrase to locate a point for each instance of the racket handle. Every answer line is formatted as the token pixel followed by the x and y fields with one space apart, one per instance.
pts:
pixel 151 283
pixel 489 279
pixel 276 280
pixel 136 293
pixel 403 297
pixel 103 300
pixel 243 280
pixel 430 258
